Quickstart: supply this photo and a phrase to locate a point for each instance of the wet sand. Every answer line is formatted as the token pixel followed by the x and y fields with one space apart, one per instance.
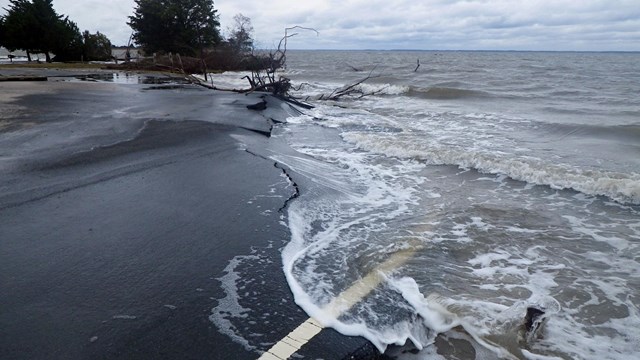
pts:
pixel 120 207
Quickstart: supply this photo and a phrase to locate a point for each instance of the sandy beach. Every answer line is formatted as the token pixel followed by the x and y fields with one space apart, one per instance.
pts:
pixel 121 204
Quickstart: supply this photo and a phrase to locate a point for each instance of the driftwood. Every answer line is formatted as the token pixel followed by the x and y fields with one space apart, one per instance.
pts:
pixel 353 68
pixel 353 90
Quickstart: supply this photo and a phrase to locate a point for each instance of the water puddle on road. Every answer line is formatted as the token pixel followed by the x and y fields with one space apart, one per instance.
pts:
pixel 124 78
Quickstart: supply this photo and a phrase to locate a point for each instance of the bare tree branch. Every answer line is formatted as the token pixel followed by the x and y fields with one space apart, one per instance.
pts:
pixel 263 77
pixel 353 67
pixel 353 89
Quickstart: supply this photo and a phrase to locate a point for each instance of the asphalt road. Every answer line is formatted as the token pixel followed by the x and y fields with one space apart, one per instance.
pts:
pixel 124 208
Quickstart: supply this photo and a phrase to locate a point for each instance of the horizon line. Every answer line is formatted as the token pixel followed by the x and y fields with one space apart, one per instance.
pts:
pixel 469 50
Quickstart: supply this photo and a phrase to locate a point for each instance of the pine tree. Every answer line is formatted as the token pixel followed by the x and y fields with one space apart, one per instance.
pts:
pixel 180 26
pixel 97 47
pixel 2 32
pixel 34 26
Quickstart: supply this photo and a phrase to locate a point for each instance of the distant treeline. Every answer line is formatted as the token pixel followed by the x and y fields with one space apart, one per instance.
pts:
pixel 35 27
pixel 189 28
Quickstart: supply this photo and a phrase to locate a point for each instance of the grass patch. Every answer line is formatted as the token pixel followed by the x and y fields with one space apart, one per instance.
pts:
pixel 35 65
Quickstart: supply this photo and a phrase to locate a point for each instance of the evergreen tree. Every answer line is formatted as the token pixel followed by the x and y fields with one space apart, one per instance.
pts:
pixel 34 26
pixel 16 24
pixel 2 35
pixel 96 47
pixel 180 26
pixel 67 43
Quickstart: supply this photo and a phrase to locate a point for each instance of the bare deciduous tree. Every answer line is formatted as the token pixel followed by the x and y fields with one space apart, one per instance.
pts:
pixel 241 34
pixel 263 76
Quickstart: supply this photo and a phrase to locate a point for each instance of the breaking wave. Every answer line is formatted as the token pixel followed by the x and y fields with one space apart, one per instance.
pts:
pixel 621 187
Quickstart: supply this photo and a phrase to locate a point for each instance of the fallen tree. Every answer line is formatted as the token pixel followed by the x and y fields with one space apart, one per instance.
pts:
pixel 263 66
pixel 263 75
pixel 264 71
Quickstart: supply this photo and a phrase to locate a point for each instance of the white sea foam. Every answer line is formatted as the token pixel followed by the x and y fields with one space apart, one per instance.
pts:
pixel 495 328
pixel 229 80
pixel 229 306
pixel 617 186
pixel 580 226
pixel 383 89
pixel 349 210
pixel 324 90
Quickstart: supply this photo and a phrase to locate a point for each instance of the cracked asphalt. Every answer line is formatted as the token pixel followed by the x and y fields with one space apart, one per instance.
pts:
pixel 122 206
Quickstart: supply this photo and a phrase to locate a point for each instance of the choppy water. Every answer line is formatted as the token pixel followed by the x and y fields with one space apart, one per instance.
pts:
pixel 507 180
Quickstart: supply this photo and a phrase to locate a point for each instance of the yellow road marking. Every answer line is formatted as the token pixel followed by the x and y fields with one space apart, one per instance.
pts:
pixel 341 303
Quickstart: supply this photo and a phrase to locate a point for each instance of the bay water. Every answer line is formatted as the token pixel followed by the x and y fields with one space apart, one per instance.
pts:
pixel 497 181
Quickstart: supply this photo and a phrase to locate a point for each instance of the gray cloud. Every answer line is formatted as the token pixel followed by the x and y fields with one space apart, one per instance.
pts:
pixel 408 24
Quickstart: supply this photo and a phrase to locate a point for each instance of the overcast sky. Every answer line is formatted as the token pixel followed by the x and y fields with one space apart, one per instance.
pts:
pixel 599 25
